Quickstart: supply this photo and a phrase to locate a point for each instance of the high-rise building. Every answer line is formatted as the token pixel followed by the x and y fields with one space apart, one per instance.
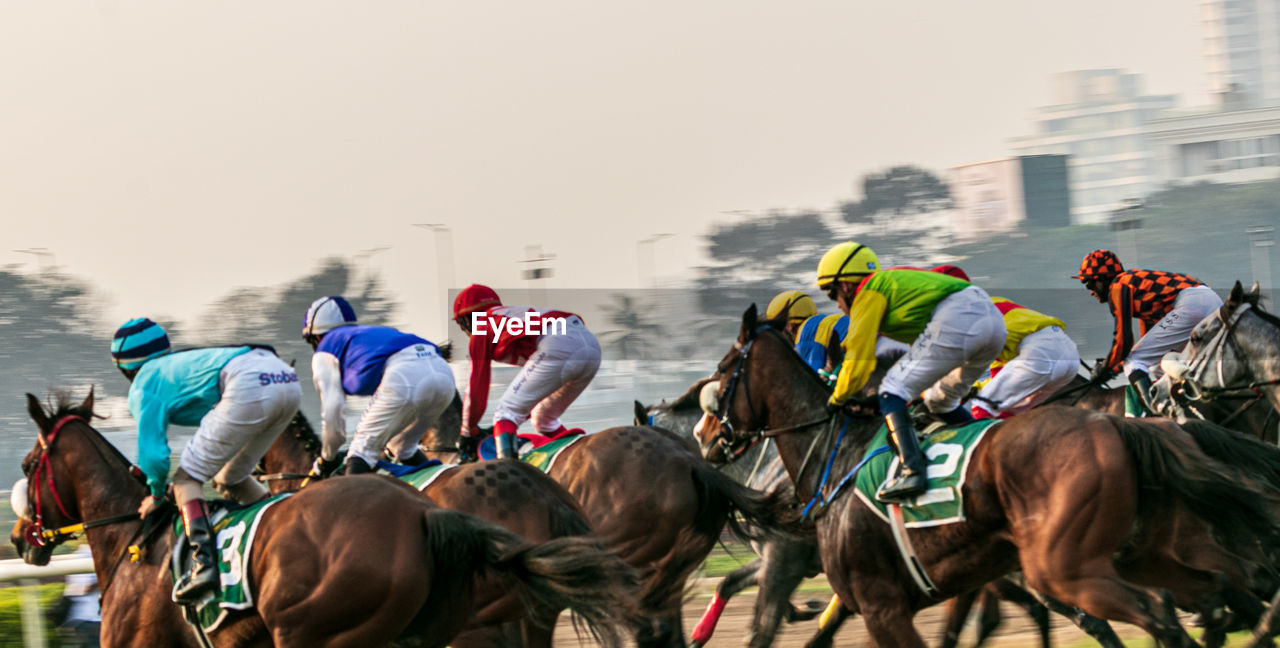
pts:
pixel 1099 119
pixel 1242 51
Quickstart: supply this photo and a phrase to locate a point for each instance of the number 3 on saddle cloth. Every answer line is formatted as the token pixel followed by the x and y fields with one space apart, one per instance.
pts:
pixel 948 452
pixel 531 447
pixel 234 527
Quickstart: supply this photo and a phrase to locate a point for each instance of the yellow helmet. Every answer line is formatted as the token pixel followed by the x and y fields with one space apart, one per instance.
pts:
pixel 848 261
pixel 796 304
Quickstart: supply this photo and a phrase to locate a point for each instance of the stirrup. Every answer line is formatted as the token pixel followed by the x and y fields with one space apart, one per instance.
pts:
pixel 197 585
pixel 903 487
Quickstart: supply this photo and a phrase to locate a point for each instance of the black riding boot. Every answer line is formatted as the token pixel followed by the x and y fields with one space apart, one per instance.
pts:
pixel 910 480
pixel 203 578
pixel 1142 384
pixel 416 459
pixel 358 466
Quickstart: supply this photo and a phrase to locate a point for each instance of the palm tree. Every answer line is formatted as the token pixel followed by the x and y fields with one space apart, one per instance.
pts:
pixel 634 336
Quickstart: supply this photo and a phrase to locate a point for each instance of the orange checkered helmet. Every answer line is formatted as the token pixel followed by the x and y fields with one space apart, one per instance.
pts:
pixel 1099 264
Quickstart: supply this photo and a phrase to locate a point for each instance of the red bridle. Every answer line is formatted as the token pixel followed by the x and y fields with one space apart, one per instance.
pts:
pixel 35 533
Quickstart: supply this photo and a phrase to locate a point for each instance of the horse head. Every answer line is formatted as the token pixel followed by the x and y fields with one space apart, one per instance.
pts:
pixel 731 421
pixel 46 498
pixel 1234 348
pixel 679 415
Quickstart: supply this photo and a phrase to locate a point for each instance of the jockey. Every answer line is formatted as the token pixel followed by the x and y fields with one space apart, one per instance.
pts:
pixel 795 305
pixel 240 398
pixel 408 383
pixel 954 331
pixel 1167 305
pixel 558 357
pixel 816 335
pixel 1037 360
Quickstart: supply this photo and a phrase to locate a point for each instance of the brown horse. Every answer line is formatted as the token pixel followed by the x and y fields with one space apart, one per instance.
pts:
pixel 1057 490
pixel 361 561
pixel 514 495
pixel 655 503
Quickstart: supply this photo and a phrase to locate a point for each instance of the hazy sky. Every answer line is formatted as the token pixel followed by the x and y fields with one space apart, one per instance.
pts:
pixel 170 151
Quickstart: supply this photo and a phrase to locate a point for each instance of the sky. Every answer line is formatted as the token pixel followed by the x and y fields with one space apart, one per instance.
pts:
pixel 172 151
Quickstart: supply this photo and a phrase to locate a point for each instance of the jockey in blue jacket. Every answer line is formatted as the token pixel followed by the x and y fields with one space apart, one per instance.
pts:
pixel 239 397
pixel 408 382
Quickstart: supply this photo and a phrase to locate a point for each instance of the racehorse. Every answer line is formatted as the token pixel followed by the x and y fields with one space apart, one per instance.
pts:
pixel 1057 490
pixel 514 495
pixel 1236 349
pixel 362 561
pixel 784 561
pixel 655 503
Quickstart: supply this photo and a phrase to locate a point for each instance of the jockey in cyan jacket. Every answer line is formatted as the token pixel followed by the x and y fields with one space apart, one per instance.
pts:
pixel 954 331
pixel 241 398
pixel 1167 306
pixel 1037 360
pixel 408 383
pixel 558 357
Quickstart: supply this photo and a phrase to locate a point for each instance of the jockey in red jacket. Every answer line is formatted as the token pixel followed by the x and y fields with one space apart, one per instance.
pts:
pixel 558 357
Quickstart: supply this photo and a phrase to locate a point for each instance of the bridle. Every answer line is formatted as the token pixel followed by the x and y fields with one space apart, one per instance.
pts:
pixel 36 534
pixel 1191 382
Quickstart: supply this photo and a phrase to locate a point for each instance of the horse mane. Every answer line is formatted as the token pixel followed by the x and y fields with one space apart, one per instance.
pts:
pixel 809 371
pixel 64 405
pixel 304 432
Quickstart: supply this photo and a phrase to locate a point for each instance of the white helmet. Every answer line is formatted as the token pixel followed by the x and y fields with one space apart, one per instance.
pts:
pixel 326 314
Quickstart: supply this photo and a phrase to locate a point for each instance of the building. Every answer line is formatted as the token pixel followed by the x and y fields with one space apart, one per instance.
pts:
pixel 1099 119
pixel 999 195
pixel 1234 146
pixel 1242 51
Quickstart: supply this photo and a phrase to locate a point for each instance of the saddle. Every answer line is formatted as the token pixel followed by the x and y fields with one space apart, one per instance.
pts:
pixel 526 443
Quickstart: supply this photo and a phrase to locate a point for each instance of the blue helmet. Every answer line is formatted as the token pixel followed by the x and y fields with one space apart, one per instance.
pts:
pixel 138 341
pixel 326 314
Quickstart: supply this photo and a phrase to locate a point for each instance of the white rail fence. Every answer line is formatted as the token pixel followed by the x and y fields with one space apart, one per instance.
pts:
pixel 27 576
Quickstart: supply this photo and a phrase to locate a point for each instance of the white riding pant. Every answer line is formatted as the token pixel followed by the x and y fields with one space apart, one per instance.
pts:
pixel 1171 333
pixel 552 379
pixel 255 407
pixel 1047 360
pixel 963 337
pixel 415 389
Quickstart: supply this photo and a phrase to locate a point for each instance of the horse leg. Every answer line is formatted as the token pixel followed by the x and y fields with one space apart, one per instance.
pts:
pixel 825 636
pixel 957 613
pixel 737 580
pixel 1266 628
pixel 1095 587
pixel 536 635
pixel 889 624
pixel 1007 590
pixel 988 612
pixel 1097 628
pixel 785 566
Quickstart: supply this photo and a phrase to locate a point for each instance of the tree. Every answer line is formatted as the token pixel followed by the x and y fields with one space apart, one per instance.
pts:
pixel 635 336
pixel 898 191
pixel 756 257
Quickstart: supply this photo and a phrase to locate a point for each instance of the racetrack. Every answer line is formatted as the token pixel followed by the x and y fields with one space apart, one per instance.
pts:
pixel 1016 630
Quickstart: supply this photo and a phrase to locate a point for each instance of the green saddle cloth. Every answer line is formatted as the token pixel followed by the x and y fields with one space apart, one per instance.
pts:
pixel 544 458
pixel 1132 405
pixel 947 451
pixel 234 529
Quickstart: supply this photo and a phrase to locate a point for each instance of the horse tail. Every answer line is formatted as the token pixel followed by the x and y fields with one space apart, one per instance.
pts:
pixel 1212 491
pixel 1240 451
pixel 764 513
pixel 576 572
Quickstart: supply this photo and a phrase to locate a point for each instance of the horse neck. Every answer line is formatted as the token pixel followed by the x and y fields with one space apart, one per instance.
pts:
pixel 289 454
pixel 1258 340
pixel 794 398
pixel 103 488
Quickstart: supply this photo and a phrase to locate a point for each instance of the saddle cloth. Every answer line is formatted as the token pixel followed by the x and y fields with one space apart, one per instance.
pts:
pixel 234 527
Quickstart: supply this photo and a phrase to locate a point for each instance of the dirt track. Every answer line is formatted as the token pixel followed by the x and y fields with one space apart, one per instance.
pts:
pixel 1017 629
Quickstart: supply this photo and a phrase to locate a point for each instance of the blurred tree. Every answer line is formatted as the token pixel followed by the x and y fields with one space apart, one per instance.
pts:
pixel 900 190
pixel 635 336
pixel 757 257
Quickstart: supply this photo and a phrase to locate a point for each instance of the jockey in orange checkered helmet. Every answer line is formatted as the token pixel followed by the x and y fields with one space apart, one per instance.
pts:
pixel 1167 306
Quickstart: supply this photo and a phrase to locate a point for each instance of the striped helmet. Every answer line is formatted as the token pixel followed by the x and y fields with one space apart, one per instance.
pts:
pixel 326 314
pixel 138 341
pixel 1099 264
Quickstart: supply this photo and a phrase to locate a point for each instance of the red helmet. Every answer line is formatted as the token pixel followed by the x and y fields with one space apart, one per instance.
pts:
pixel 950 271
pixel 474 298
pixel 1099 264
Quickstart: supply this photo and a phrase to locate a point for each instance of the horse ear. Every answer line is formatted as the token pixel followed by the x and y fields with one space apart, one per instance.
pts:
pixel 749 319
pixel 1255 292
pixel 642 414
pixel 87 405
pixel 36 410
pixel 835 351
pixel 1237 295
